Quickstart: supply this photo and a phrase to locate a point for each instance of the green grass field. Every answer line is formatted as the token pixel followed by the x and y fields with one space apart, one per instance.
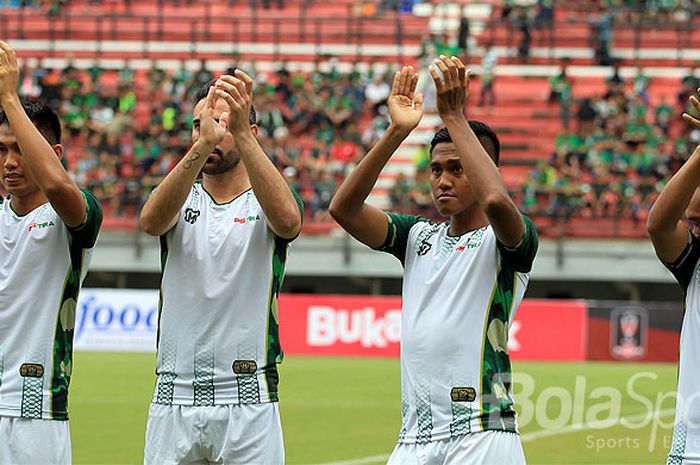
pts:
pixel 347 411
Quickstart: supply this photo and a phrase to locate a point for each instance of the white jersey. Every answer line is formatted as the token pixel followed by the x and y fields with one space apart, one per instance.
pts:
pixel 460 294
pixel 685 447
pixel 42 265
pixel 218 340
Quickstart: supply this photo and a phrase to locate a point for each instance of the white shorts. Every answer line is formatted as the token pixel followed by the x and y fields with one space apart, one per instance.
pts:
pixel 486 448
pixel 222 434
pixel 34 442
pixel 685 447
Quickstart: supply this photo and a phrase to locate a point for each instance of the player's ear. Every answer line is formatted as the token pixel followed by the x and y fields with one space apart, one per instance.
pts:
pixel 255 129
pixel 58 149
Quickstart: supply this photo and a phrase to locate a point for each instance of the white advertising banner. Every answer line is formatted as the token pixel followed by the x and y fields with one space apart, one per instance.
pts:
pixel 116 320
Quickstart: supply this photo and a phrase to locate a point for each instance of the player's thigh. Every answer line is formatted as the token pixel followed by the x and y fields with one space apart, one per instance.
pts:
pixel 172 437
pixel 34 442
pixel 249 435
pixel 487 447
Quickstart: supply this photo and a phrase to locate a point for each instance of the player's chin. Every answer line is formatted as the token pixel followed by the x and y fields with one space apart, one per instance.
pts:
pixel 12 188
pixel 444 210
pixel 446 206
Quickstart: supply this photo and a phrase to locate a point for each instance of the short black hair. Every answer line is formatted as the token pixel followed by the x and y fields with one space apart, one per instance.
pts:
pixel 44 118
pixel 204 90
pixel 483 132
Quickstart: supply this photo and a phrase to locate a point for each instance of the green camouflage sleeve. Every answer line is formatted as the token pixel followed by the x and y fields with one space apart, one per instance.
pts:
pixel 397 234
pixel 522 255
pixel 85 235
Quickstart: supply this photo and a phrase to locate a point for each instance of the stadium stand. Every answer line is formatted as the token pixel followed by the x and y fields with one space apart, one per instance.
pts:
pixel 126 68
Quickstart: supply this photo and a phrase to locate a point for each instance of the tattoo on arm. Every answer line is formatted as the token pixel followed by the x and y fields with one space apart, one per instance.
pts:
pixel 192 158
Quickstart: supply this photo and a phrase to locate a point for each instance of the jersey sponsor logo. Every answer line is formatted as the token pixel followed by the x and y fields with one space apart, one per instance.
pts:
pixel 327 326
pixel 474 241
pixel 424 247
pixel 191 215
pixel 463 394
pixel 31 370
pixel 44 225
pixel 245 367
pixel 246 219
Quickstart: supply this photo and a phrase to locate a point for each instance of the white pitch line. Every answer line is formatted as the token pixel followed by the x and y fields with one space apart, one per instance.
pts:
pixel 362 461
pixel 602 424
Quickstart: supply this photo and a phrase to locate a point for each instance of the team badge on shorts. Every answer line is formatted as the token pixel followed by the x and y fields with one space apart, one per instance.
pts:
pixel 245 367
pixel 31 370
pixel 463 394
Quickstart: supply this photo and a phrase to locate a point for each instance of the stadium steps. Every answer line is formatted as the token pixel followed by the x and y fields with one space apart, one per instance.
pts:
pixel 671 44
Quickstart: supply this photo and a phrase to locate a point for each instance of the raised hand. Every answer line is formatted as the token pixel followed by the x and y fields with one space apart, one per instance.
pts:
pixel 211 131
pixel 237 91
pixel 452 87
pixel 405 106
pixel 689 119
pixel 9 72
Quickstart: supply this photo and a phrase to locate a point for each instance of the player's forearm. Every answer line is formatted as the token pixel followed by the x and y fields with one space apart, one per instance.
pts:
pixel 675 197
pixel 45 165
pixel 161 210
pixel 486 182
pixel 270 188
pixel 351 195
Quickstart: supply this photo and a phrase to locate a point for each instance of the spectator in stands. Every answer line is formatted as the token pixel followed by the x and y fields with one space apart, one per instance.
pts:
pixel 560 92
pixel 663 115
pixel 488 65
pixel 377 92
pixel 463 34
pixel 147 116
pixel 614 167
pixel 641 83
pixel 266 4
pixel 585 116
pixel 615 82
pixel 445 46
pixel 522 22
pixel 601 33
pixel 689 84
pixel 545 14
pixel 400 193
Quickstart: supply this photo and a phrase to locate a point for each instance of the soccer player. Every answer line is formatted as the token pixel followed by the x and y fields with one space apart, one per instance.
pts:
pixel 463 280
pixel 48 228
pixel 224 243
pixel 674 228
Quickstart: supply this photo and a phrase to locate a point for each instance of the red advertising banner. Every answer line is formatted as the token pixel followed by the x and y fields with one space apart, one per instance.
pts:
pixel 552 330
pixel 371 326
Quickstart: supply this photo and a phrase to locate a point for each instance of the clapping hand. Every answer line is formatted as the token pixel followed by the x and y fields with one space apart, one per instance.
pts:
pixel 405 106
pixel 452 87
